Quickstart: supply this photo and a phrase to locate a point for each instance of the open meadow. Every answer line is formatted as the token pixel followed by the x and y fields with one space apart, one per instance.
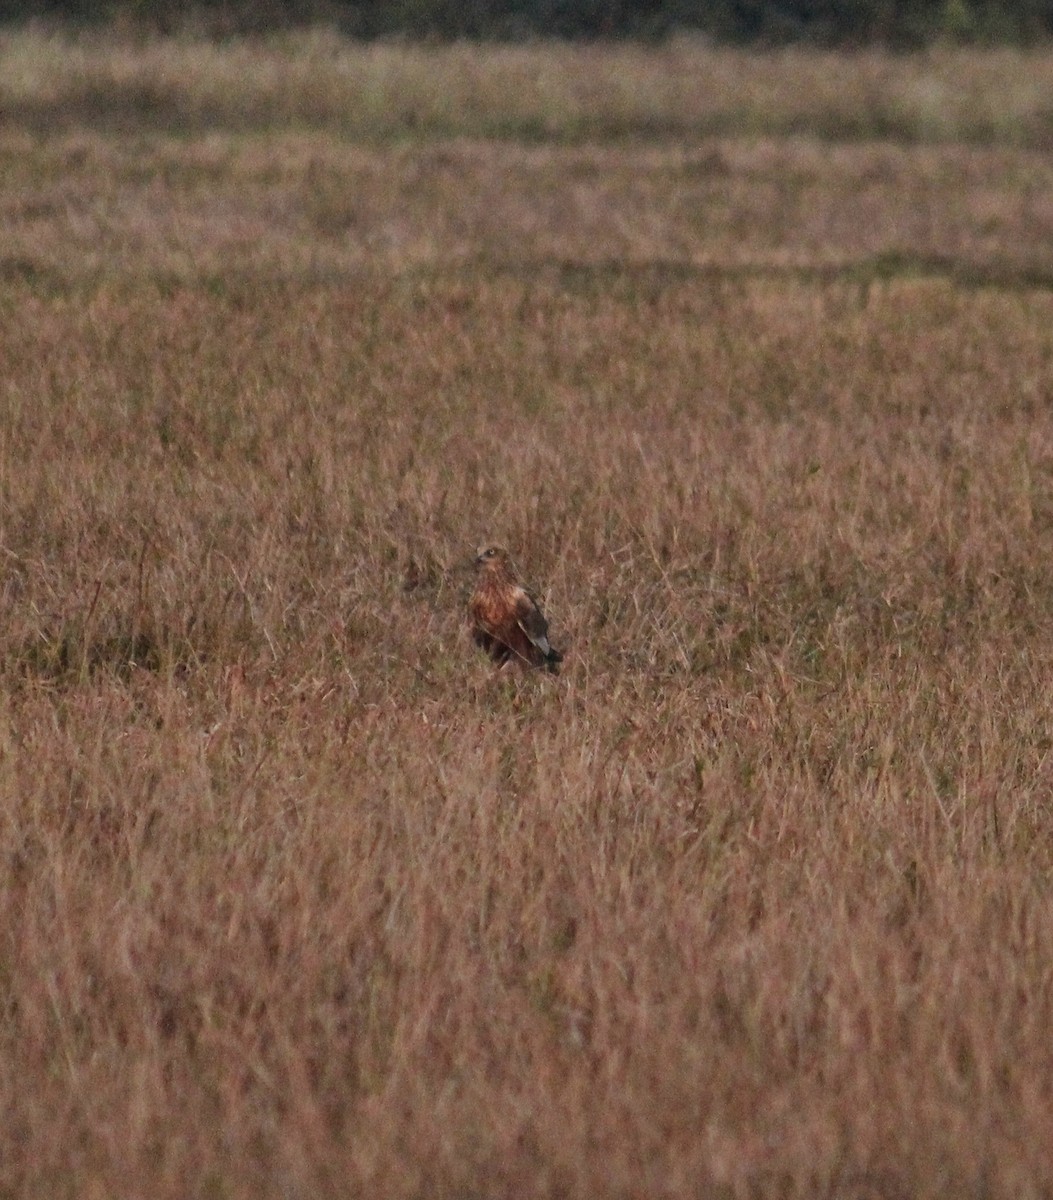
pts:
pixel 749 361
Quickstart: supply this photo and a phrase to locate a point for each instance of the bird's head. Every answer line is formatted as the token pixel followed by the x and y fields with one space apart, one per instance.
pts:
pixel 492 559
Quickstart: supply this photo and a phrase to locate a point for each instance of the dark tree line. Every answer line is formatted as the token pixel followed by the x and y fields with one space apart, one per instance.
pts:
pixel 898 23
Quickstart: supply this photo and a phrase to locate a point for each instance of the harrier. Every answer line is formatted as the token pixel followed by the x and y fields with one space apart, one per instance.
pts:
pixel 506 621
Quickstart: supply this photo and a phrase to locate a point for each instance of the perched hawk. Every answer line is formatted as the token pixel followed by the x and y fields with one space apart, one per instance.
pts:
pixel 506 620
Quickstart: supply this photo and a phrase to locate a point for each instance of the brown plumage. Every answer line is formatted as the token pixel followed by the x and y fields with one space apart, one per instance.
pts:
pixel 506 620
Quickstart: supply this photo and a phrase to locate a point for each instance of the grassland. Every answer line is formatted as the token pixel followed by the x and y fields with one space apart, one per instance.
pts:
pixel 749 359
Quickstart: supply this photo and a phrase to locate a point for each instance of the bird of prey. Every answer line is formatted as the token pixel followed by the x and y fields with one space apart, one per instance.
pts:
pixel 506 620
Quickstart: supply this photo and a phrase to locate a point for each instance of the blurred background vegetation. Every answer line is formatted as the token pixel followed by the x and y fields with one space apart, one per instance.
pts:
pixel 904 24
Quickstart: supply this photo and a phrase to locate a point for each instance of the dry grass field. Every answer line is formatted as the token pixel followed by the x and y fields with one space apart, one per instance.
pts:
pixel 749 359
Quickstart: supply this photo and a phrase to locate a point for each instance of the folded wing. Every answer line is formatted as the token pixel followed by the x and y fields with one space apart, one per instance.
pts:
pixel 533 625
